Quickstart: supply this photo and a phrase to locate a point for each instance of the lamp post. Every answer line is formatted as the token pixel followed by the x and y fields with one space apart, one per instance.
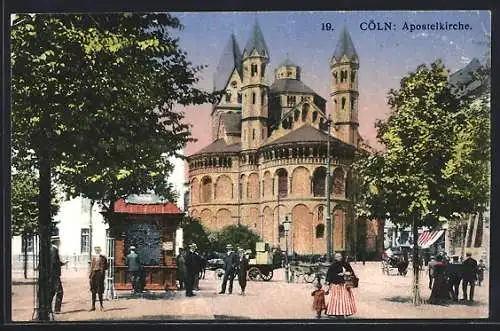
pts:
pixel 286 227
pixel 329 229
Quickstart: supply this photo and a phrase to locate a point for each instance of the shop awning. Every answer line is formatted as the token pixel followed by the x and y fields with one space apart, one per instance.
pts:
pixel 427 238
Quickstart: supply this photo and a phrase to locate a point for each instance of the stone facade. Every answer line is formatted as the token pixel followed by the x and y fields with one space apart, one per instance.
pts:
pixel 268 156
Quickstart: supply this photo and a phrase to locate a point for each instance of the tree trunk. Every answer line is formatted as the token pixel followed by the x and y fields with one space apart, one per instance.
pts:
pixel 90 231
pixel 416 268
pixel 44 221
pixel 474 231
pixel 466 237
pixel 25 256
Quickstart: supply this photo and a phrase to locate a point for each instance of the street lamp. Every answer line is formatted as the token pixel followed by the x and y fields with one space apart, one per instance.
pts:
pixel 286 227
pixel 329 229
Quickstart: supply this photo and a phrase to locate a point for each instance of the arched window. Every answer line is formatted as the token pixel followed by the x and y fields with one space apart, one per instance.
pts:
pixel 338 181
pixel 206 189
pixel 343 102
pixel 253 134
pixel 320 213
pixel 253 98
pixel 336 77
pixel 262 70
pixel 254 69
pixel 228 96
pixel 315 116
pixel 282 182
pixel 239 97
pixel 353 76
pixel 305 109
pixel 320 230
pixel 319 182
pixel 242 182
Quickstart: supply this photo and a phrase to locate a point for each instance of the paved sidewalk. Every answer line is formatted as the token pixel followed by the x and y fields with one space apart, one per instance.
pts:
pixel 378 296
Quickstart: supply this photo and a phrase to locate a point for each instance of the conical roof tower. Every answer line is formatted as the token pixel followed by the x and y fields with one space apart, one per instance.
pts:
pixel 345 47
pixel 230 60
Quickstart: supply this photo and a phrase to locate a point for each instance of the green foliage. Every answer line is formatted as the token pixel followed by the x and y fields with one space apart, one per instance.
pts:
pixel 24 203
pixel 434 166
pixel 236 235
pixel 195 232
pixel 105 85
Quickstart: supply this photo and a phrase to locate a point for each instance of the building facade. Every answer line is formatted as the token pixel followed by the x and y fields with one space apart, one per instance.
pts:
pixel 268 154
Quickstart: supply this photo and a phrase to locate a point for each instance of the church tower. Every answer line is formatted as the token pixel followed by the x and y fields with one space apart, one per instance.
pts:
pixel 227 78
pixel 344 90
pixel 255 91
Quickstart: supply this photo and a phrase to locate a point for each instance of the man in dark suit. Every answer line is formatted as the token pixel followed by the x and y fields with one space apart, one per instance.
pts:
pixel 230 263
pixel 469 276
pixel 454 271
pixel 133 263
pixel 55 286
pixel 244 259
pixel 192 269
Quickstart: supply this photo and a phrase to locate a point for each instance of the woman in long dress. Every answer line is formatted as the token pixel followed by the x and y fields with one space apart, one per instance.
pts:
pixel 341 302
pixel 440 293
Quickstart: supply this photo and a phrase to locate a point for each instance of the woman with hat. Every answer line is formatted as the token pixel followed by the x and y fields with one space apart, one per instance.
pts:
pixel 98 268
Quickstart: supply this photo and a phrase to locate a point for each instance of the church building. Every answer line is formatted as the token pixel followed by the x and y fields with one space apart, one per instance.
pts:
pixel 268 154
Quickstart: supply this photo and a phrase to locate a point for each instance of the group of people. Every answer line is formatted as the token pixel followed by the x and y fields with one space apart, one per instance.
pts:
pixel 341 301
pixel 98 267
pixel 445 278
pixel 191 267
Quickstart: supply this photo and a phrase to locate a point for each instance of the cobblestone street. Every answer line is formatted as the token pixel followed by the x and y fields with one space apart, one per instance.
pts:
pixel 378 296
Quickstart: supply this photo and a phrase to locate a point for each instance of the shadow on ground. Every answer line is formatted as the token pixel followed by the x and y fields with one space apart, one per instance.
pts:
pixel 399 299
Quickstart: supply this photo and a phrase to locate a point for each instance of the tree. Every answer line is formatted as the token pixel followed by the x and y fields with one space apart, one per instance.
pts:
pixel 411 182
pixel 194 232
pixel 92 109
pixel 238 236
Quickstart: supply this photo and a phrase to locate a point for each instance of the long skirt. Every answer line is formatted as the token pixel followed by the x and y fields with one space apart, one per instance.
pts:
pixel 341 301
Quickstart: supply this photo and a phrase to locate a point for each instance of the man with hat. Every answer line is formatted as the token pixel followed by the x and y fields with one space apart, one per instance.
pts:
pixel 134 269
pixel 98 268
pixel 56 288
pixel 192 269
pixel 230 263
pixel 454 271
pixel 244 259
pixel 469 276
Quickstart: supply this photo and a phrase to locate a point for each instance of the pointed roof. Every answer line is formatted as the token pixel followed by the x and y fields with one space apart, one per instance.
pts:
pixel 230 59
pixel 290 85
pixel 219 146
pixel 287 63
pixel 256 42
pixel 345 46
pixel 309 134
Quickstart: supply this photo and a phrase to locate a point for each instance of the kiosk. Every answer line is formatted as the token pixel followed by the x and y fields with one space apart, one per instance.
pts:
pixel 149 223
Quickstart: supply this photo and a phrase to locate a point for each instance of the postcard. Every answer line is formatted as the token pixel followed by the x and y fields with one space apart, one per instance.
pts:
pixel 271 165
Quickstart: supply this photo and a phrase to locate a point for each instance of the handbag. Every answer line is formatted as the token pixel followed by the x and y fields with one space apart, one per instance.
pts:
pixel 351 281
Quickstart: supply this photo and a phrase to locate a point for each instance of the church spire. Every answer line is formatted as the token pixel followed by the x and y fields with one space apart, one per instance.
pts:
pixel 345 47
pixel 230 59
pixel 256 42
